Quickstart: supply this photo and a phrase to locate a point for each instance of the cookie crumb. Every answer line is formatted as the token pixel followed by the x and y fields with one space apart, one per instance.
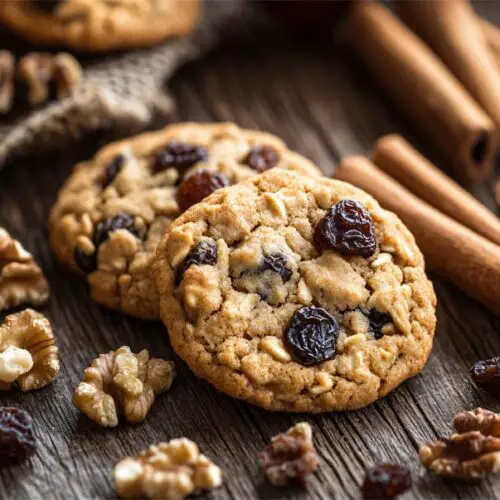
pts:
pixel 290 456
pixel 172 470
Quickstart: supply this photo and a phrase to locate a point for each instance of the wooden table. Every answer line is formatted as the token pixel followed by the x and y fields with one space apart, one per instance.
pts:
pixel 313 96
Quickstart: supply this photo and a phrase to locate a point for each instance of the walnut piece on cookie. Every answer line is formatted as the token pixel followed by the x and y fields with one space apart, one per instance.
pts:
pixel 122 382
pixel 290 456
pixel 296 293
pixel 172 470
pixel 100 25
pixel 21 279
pixel 28 351
pixel 113 211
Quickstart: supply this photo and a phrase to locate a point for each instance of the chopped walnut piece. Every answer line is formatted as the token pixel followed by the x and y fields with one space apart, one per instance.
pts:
pixel 479 419
pixel 290 456
pixel 7 67
pixel 122 382
pixel 170 470
pixel 28 352
pixel 42 71
pixel 469 455
pixel 21 279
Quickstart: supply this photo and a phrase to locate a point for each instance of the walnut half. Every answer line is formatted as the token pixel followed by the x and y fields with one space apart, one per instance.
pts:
pixel 21 279
pixel 122 382
pixel 472 453
pixel 170 470
pixel 28 352
pixel 290 456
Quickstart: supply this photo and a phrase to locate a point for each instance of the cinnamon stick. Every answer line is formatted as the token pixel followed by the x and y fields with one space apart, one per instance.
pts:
pixel 395 156
pixel 452 29
pixel 467 259
pixel 419 82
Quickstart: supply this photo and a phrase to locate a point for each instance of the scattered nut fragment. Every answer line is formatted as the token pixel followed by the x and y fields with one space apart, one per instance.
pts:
pixel 28 352
pixel 21 279
pixel 290 456
pixel 479 419
pixel 7 65
pixel 469 455
pixel 170 470
pixel 40 72
pixel 122 382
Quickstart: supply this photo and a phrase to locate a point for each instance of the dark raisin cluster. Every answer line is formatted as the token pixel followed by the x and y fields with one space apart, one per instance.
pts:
pixel 377 321
pixel 179 155
pixel 113 169
pixel 88 263
pixel 486 373
pixel 386 481
pixel 261 158
pixel 312 336
pixel 17 441
pixel 348 228
pixel 203 254
pixel 277 263
pixel 198 186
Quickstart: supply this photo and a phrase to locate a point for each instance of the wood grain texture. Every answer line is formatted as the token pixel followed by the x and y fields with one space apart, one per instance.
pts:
pixel 311 95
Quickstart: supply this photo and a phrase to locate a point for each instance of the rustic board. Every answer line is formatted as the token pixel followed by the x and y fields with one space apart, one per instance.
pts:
pixel 309 93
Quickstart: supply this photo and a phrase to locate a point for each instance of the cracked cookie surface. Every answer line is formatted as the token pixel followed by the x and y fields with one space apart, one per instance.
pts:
pixel 114 209
pixel 100 25
pixel 256 307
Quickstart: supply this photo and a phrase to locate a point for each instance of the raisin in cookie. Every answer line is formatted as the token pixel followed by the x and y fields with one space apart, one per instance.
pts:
pixel 115 208
pixel 296 293
pixel 100 25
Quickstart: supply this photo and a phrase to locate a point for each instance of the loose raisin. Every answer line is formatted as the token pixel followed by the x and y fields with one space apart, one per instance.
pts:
pixel 86 263
pixel 107 226
pixel 486 373
pixel 203 254
pixel 312 336
pixel 17 441
pixel 112 170
pixel 377 321
pixel 386 481
pixel 276 262
pixel 262 158
pixel 348 228
pixel 198 186
pixel 179 155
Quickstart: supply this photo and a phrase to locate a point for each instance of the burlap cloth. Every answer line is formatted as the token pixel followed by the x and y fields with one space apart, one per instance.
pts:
pixel 124 91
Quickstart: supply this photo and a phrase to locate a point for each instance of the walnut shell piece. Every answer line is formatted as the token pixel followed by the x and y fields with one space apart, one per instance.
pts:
pixel 121 382
pixel 28 351
pixel 469 456
pixel 290 456
pixel 21 279
pixel 170 470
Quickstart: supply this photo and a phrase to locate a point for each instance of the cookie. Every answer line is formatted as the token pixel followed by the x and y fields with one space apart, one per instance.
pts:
pixel 100 25
pixel 114 209
pixel 296 293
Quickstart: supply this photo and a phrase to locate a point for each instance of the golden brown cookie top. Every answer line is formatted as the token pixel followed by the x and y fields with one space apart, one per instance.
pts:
pixel 100 25
pixel 114 209
pixel 296 293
